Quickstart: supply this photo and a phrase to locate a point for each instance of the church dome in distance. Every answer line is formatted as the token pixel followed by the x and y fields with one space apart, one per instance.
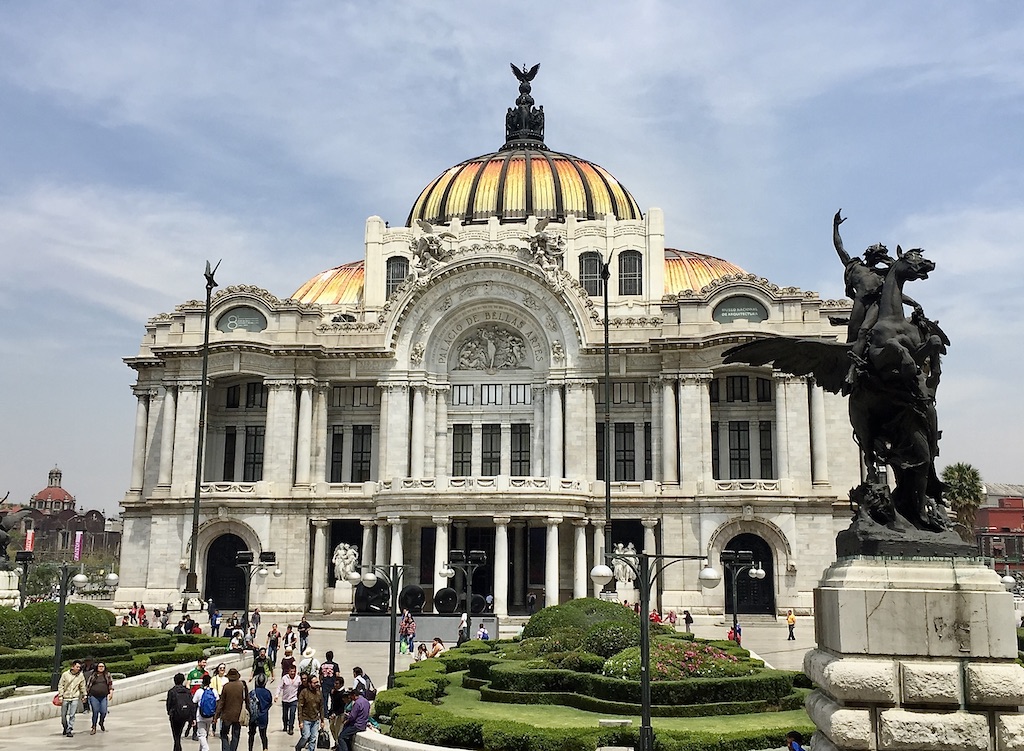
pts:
pixel 523 178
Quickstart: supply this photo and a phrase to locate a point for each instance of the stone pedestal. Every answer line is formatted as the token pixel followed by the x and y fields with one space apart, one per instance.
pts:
pixel 626 592
pixel 914 655
pixel 9 588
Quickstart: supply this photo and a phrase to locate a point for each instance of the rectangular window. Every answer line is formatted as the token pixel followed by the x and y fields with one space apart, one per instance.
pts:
pixel 624 393
pixel 739 450
pixel 234 397
pixel 252 467
pixel 764 389
pixel 490 393
pixel 716 455
pixel 230 439
pixel 631 273
pixel 490 450
pixel 462 450
pixel 737 389
pixel 600 451
pixel 520 393
pixel 520 449
pixel 255 395
pixel 362 452
pixel 648 453
pixel 364 396
pixel 625 451
pixel 713 390
pixel 338 396
pixel 462 394
pixel 590 274
pixel 765 437
pixel 337 453
pixel 645 391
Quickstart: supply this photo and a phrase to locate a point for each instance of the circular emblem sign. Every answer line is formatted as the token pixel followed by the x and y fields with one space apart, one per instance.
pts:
pixel 241 318
pixel 738 307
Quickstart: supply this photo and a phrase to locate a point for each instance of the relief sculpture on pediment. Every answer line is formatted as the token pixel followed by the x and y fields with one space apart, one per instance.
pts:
pixel 492 348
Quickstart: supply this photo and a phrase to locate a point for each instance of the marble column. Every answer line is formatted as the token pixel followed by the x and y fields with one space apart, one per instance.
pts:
pixel 576 435
pixel 366 558
pixel 319 565
pixel 397 552
pixel 321 433
pixel 382 442
pixel 279 455
pixel 506 449
pixel 346 453
pixel 819 442
pixel 441 458
pixel 519 563
pixel 591 430
pixel 380 550
pixel 657 449
pixel 476 462
pixel 669 446
pixel 538 433
pixel 707 473
pixel 430 431
pixel 186 425
pixel 580 572
pixel 781 428
pixel 440 551
pixel 555 448
pixel 398 432
pixel 304 442
pixel 598 551
pixel 166 437
pixel 141 430
pixel 551 561
pixel 692 392
pixel 651 548
pixel 419 431
pixel 501 563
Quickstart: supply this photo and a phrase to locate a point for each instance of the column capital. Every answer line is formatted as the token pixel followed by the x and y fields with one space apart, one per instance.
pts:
pixel 649 523
pixel 581 383
pixel 518 524
pixel 695 378
pixel 319 523
pixel 396 521
pixel 392 386
pixel 580 522
pixel 189 385
pixel 598 523
pixel 552 521
pixel 667 378
pixel 381 522
pixel 368 523
pixel 279 384
pixel 440 521
pixel 322 386
pixel 439 388
pixel 460 524
pixel 780 377
pixel 306 383
pixel 144 391
pixel 502 521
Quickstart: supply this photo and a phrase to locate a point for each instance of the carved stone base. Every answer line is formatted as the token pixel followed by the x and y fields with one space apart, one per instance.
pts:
pixel 899 538
pixel 9 588
pixel 914 655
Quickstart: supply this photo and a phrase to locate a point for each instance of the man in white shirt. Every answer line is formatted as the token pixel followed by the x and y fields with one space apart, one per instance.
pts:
pixel 288 695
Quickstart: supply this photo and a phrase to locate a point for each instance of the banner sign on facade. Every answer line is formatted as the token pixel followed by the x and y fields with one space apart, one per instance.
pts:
pixel 78 545
pixel 30 539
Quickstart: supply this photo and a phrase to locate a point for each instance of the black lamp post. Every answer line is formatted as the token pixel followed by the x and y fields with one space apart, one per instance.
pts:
pixel 646 569
pixel 246 561
pixel 736 562
pixel 605 276
pixel 25 558
pixel 192 579
pixel 66 576
pixel 392 576
pixel 458 560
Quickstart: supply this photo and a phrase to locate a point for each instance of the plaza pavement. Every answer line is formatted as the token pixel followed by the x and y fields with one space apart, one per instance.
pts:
pixel 142 724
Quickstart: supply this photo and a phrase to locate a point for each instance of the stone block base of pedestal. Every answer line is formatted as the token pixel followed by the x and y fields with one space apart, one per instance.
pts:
pixel 914 655
pixel 9 589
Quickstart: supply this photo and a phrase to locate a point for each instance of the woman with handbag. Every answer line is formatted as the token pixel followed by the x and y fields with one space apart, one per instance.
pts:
pixel 100 689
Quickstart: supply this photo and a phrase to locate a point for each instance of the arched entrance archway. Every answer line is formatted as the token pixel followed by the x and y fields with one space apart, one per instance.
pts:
pixel 755 596
pixel 225 582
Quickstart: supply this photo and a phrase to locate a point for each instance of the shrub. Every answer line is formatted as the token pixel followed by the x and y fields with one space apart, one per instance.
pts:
pixel 110 649
pixel 133 632
pixel 135 666
pixel 438 728
pixel 673 661
pixel 601 611
pixel 578 661
pixel 611 637
pixel 91 619
pixel 175 657
pixel 553 618
pixel 14 631
pixel 42 620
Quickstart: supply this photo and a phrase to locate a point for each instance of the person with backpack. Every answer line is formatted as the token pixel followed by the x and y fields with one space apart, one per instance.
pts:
pixel 261 665
pixel 260 701
pixel 363 684
pixel 180 708
pixel 206 708
pixel 329 671
pixel 229 710
pixel 309 665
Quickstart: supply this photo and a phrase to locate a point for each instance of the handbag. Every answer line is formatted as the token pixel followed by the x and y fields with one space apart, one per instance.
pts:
pixel 57 701
pixel 243 716
pixel 323 740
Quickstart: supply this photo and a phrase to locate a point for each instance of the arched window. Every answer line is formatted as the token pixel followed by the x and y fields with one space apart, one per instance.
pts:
pixel 397 270
pixel 590 274
pixel 631 273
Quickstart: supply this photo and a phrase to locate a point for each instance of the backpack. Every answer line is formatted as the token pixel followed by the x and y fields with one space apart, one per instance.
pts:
pixel 183 710
pixel 369 691
pixel 254 706
pixel 208 703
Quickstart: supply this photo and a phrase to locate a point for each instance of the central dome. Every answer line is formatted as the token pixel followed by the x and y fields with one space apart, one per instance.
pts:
pixel 524 178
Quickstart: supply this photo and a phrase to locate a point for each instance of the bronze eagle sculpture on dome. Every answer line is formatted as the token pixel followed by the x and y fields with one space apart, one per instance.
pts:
pixel 889 367
pixel 525 76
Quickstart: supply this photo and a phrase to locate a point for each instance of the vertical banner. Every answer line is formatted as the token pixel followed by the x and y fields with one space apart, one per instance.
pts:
pixel 78 545
pixel 30 540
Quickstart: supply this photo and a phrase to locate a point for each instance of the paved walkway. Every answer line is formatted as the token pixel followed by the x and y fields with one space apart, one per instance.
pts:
pixel 767 640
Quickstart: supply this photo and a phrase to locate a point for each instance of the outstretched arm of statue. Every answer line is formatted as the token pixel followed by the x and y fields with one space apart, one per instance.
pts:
pixel 837 240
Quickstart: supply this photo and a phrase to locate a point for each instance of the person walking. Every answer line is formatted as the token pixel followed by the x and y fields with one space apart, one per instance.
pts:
pixel 180 708
pixel 273 642
pixel 260 699
pixel 261 665
pixel 688 621
pixel 531 602
pixel 337 707
pixel 288 695
pixel 791 623
pixel 71 690
pixel 311 714
pixel 329 672
pixel 304 629
pixel 355 719
pixel 100 689
pixel 291 639
pixel 215 623
pixel 408 632
pixel 194 680
pixel 229 711
pixel 206 709
pixel 309 665
pixel 287 661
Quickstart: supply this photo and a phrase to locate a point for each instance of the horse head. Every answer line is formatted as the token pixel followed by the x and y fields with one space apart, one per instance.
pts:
pixel 911 265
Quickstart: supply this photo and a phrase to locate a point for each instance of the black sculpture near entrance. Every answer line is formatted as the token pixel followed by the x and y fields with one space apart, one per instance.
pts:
pixel 890 368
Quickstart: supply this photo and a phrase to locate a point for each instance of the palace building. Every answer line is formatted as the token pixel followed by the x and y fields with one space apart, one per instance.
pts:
pixel 448 391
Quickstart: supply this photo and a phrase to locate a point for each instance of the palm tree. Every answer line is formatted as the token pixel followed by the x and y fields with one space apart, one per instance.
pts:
pixel 964 491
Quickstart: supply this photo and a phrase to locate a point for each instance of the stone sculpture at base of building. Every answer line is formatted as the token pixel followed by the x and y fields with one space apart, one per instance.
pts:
pixel 9 588
pixel 914 655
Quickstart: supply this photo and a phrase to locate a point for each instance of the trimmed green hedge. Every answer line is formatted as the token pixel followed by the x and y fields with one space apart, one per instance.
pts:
pixel 175 656
pixel 142 643
pixel 576 614
pixel 34 678
pixel 14 630
pixel 91 619
pixel 135 666
pixel 42 620
pixel 43 658
pixel 610 638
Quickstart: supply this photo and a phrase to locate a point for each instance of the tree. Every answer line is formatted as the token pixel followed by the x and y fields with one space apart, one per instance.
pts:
pixel 964 491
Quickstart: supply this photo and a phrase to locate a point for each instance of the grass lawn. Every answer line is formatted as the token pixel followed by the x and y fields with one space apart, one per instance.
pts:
pixel 464 701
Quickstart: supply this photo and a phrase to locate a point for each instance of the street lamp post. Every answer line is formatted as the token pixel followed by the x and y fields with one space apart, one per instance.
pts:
pixel 24 557
pixel 458 560
pixel 736 562
pixel 67 577
pixel 392 576
pixel 192 579
pixel 247 562
pixel 647 568
pixel 605 276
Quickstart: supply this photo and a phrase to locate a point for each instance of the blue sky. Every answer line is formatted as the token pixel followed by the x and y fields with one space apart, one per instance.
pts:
pixel 139 140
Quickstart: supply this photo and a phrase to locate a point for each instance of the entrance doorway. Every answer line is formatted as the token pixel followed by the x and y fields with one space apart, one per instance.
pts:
pixel 755 596
pixel 225 582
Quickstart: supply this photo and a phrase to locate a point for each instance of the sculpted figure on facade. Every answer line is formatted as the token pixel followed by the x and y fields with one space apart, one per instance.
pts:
pixel 546 250
pixel 492 348
pixel 428 251
pixel 620 568
pixel 345 560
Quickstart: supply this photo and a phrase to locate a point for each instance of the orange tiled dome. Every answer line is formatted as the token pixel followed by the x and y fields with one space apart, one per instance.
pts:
pixel 686 270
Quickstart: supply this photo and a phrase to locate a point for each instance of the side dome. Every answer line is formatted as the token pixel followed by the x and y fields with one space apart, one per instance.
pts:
pixel 516 183
pixel 338 286
pixel 685 270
